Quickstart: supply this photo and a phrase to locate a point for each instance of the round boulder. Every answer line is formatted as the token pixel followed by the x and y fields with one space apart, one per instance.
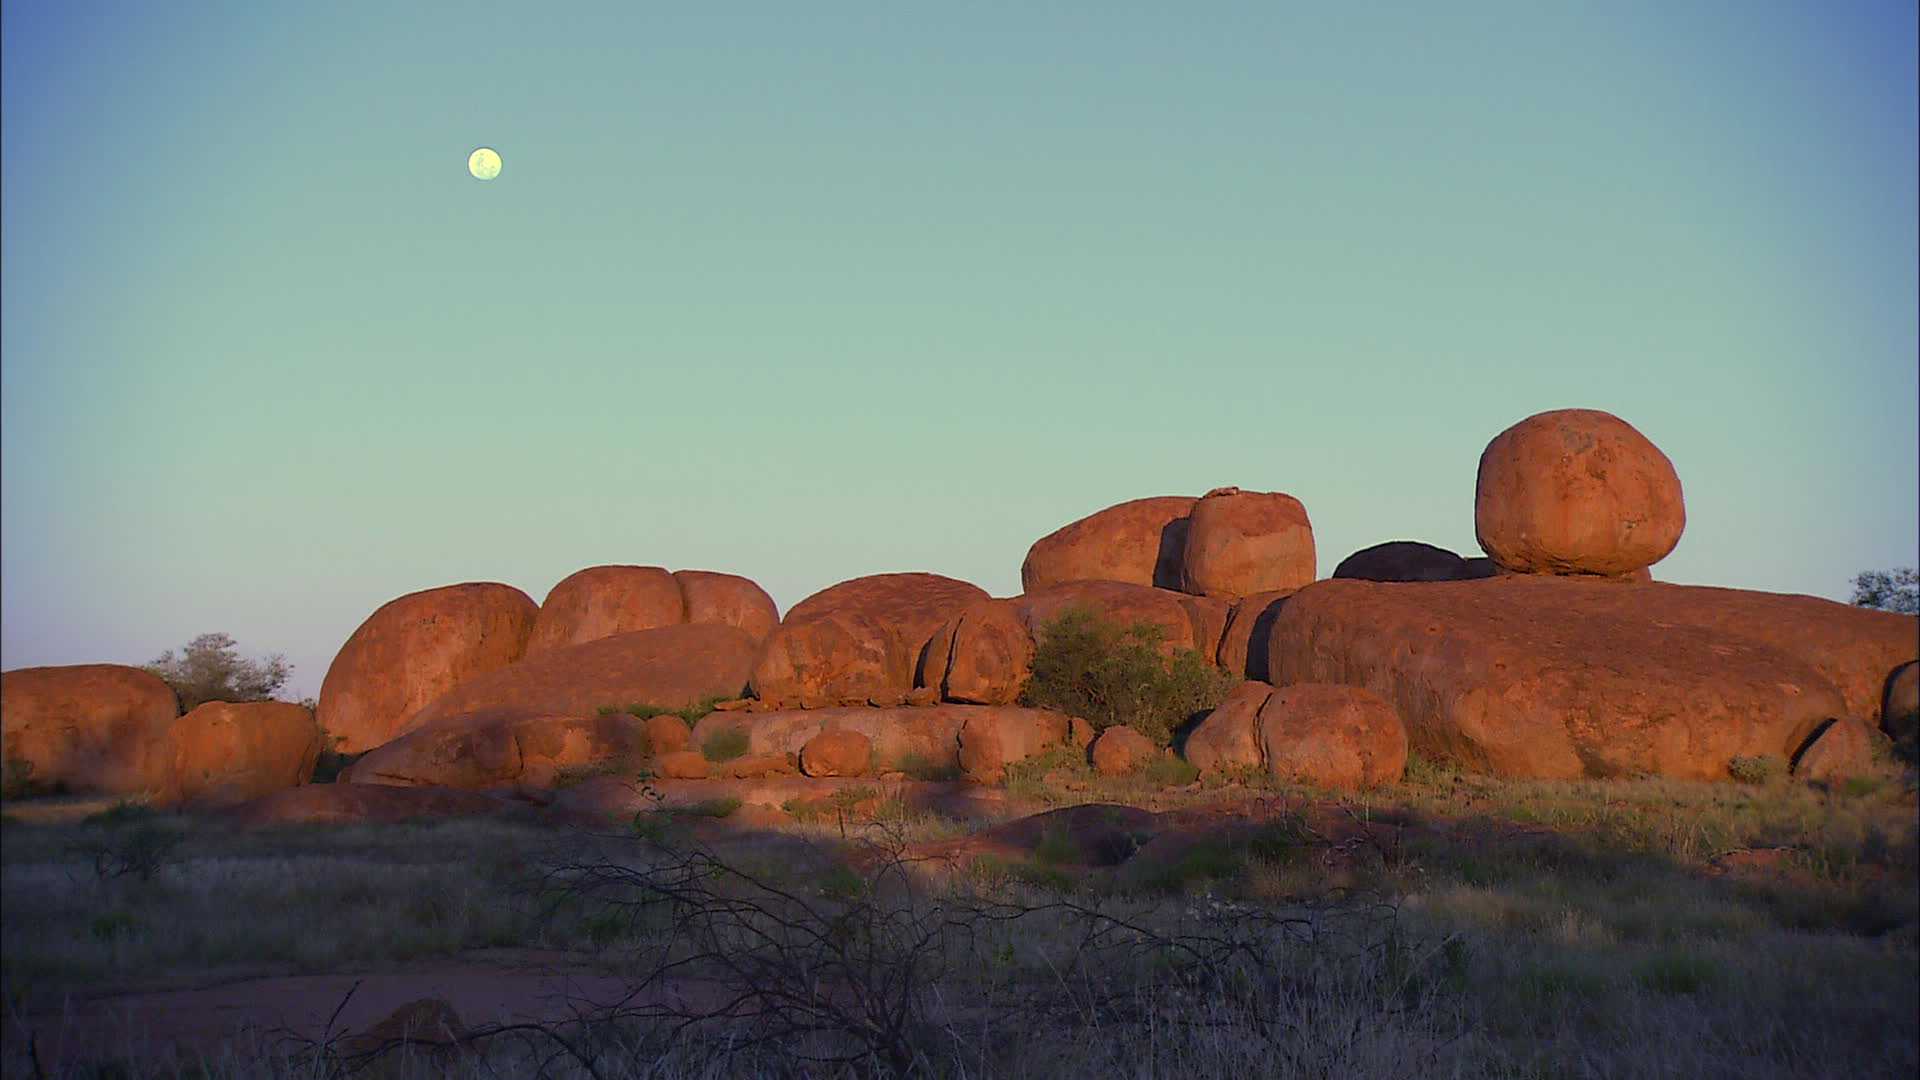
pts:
pixel 602 601
pixel 728 599
pixel 982 656
pixel 860 639
pixel 1228 738
pixel 87 729
pixel 1332 736
pixel 229 752
pixel 682 765
pixel 1243 542
pixel 1120 749
pixel 836 752
pixel 1141 542
pixel 666 733
pixel 1576 491
pixel 415 649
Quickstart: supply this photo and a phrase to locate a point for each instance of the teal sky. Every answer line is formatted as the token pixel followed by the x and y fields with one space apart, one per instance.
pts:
pixel 805 295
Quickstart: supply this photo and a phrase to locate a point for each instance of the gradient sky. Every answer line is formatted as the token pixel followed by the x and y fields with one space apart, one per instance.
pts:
pixel 806 295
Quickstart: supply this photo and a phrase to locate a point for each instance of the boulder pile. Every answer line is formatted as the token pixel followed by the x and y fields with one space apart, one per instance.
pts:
pixel 1555 656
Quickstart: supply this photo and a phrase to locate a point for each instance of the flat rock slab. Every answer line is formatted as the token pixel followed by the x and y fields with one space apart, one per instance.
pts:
pixel 1559 678
pixel 354 804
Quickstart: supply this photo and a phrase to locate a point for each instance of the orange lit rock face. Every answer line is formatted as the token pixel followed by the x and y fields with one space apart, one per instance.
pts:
pixel 670 666
pixel 1243 542
pixel 513 752
pixel 1120 749
pixel 727 599
pixel 602 601
pixel 1141 542
pixel 982 656
pixel 226 753
pixel 88 728
pixel 1576 491
pixel 1117 603
pixel 1332 737
pixel 859 639
pixel 1563 677
pixel 415 649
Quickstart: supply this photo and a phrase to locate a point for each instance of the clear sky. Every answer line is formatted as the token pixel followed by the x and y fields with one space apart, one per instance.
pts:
pixel 806 292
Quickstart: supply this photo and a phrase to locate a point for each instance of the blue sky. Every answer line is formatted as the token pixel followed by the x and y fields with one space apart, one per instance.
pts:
pixel 810 295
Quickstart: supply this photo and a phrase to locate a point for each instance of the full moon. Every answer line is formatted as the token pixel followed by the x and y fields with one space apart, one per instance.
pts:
pixel 484 164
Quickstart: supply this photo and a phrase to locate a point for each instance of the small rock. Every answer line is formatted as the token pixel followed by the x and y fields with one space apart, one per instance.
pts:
pixel 836 753
pixel 682 765
pixel 1121 750
pixel 667 733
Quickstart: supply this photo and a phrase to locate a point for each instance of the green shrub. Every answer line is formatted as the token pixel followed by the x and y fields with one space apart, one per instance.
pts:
pixel 1055 847
pixel 1755 770
pixel 919 767
pixel 1171 772
pixel 1107 674
pixel 16 778
pixel 720 807
pixel 642 711
pixel 725 745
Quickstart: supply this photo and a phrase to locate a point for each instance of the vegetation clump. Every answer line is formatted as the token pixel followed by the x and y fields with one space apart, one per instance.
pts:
pixel 1108 674
pixel 210 668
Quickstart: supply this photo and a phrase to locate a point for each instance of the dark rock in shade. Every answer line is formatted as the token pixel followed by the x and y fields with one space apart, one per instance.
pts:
pixel 1243 648
pixel 1900 702
pixel 1406 560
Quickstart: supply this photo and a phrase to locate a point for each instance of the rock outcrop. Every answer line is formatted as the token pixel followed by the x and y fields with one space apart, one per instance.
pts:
pixel 226 752
pixel 415 649
pixel 671 667
pixel 87 729
pixel 1116 602
pixel 1559 677
pixel 1141 542
pixel 1576 491
pixel 837 752
pixel 1845 749
pixel 859 639
pixel 1243 542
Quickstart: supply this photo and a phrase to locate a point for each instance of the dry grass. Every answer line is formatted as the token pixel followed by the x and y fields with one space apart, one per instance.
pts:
pixel 1540 929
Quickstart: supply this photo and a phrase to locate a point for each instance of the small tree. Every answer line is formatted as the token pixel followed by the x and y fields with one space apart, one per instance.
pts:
pixel 1897 591
pixel 1108 674
pixel 209 669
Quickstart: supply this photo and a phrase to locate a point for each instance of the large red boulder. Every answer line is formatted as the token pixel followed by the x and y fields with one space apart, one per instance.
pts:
pixel 728 599
pixel 1243 542
pixel 992 739
pixel 1576 491
pixel 1332 737
pixel 1560 677
pixel 517 752
pixel 982 656
pixel 227 752
pixel 415 649
pixel 87 729
pixel 671 667
pixel 1115 602
pixel 1410 560
pixel 1142 542
pixel 602 601
pixel 859 639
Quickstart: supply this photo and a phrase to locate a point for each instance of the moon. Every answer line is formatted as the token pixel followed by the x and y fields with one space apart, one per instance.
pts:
pixel 484 164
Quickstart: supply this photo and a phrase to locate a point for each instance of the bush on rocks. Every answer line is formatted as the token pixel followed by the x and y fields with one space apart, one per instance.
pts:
pixel 1112 675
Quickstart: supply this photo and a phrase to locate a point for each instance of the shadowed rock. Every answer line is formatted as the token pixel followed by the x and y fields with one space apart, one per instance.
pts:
pixel 1900 702
pixel 522 753
pixel 1243 646
pixel 360 803
pixel 1409 560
